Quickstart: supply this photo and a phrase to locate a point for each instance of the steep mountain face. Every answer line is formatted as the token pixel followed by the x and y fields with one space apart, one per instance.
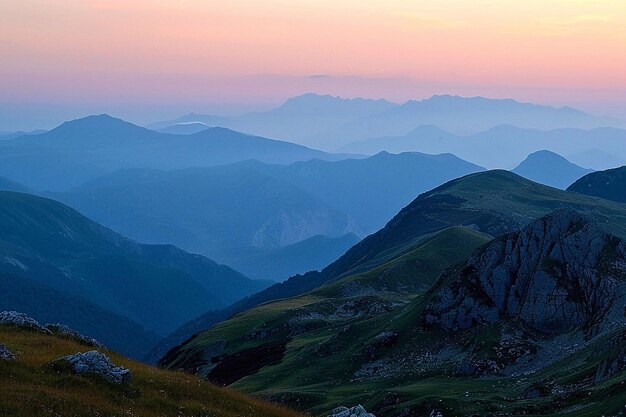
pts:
pixel 83 149
pixel 48 246
pixel 534 316
pixel 558 274
pixel 493 203
pixel 551 169
pixel 609 184
pixel 505 145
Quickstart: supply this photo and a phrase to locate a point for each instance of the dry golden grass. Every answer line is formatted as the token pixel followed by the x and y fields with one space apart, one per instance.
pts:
pixel 31 388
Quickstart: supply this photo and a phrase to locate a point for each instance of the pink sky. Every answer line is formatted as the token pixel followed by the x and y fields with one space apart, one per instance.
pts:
pixel 150 52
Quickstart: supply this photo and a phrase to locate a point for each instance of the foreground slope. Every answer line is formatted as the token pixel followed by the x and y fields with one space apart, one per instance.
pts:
pixel 493 203
pixel 609 184
pixel 29 386
pixel 49 246
pixel 530 323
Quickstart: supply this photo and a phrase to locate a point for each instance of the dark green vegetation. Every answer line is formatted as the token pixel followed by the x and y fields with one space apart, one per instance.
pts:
pixel 255 216
pixel 551 169
pixel 59 266
pixel 93 146
pixel 30 387
pixel 609 184
pixel 411 320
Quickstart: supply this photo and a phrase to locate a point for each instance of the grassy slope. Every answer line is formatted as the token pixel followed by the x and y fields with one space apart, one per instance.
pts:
pixel 410 273
pixel 28 388
pixel 609 184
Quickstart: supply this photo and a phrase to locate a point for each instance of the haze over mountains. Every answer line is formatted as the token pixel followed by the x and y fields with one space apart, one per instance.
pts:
pixel 330 123
pixel 400 261
pixel 83 149
pixel 249 213
pixel 506 145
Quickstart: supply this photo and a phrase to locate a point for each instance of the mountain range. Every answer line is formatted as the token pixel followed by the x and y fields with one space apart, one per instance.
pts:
pixel 267 221
pixel 506 145
pixel 490 285
pixel 83 149
pixel 330 123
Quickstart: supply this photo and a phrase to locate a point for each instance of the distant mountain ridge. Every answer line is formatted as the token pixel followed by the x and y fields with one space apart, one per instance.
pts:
pixel 83 149
pixel 551 169
pixel 504 146
pixel 330 123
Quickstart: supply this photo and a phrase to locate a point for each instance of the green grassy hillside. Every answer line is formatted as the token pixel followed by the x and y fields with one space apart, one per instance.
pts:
pixel 31 388
pixel 609 184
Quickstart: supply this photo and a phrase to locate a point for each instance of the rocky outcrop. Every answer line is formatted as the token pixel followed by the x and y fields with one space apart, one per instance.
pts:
pixel 559 273
pixel 21 320
pixel 65 332
pixel 96 363
pixel 6 354
pixel 356 411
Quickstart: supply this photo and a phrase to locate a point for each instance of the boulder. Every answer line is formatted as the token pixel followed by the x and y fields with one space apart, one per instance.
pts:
pixel 96 363
pixel 356 411
pixel 22 320
pixel 6 354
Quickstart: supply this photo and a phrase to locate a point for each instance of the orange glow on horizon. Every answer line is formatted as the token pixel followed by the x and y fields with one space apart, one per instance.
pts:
pixel 191 48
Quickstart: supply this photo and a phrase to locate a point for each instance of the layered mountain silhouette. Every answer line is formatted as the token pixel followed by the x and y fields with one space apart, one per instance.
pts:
pixel 551 169
pixel 505 145
pixel 83 149
pixel 331 122
pixel 304 119
pixel 609 184
pixel 254 216
pixel 100 282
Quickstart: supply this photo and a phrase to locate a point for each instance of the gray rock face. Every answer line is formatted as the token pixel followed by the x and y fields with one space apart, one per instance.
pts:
pixel 22 320
pixel 64 331
pixel 6 354
pixel 94 362
pixel 559 273
pixel 356 411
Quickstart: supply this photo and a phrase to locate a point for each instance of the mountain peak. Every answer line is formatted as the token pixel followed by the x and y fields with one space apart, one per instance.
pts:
pixel 549 168
pixel 96 122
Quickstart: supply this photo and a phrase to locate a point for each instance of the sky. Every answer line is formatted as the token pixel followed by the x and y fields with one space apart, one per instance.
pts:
pixel 149 59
